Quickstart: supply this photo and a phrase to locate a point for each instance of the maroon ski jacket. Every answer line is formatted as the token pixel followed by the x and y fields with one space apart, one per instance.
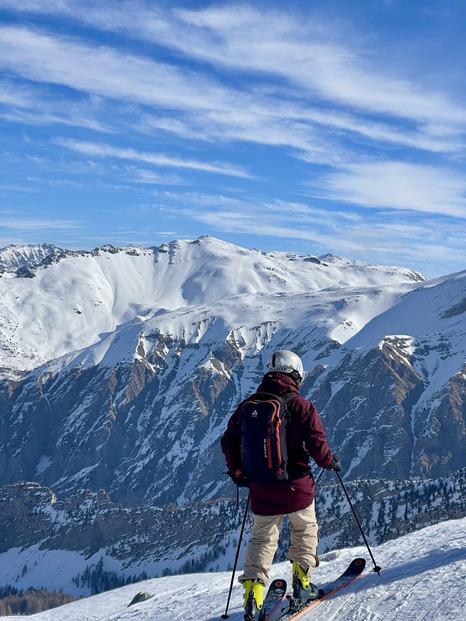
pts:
pixel 305 438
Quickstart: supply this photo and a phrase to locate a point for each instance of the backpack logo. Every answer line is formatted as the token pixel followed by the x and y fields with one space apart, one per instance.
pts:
pixel 254 414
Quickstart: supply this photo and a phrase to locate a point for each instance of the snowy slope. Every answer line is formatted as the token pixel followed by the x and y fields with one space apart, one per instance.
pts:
pixel 423 578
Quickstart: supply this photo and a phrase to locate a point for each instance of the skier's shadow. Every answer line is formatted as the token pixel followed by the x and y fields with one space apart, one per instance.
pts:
pixel 434 560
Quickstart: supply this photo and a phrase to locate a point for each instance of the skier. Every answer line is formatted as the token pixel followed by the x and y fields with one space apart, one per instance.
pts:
pixel 305 437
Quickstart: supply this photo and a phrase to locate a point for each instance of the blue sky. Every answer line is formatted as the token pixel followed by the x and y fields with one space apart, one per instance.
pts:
pixel 315 127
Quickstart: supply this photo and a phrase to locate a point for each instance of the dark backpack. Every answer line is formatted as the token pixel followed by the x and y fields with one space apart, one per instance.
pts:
pixel 264 453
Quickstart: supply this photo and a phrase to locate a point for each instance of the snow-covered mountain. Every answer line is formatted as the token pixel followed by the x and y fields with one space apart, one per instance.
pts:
pixel 423 576
pixel 121 366
pixel 78 297
pixel 28 256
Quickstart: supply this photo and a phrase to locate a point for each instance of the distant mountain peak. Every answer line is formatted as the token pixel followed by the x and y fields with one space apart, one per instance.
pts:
pixel 29 255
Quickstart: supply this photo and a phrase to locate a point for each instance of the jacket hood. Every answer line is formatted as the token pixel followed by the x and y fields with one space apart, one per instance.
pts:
pixel 278 383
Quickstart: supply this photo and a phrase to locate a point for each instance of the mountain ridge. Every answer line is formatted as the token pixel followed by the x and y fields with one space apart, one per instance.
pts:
pixel 90 290
pixel 35 255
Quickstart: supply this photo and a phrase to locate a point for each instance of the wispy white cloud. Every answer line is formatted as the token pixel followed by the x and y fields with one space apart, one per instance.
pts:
pixel 103 150
pixel 298 53
pixel 16 95
pixel 15 188
pixel 63 166
pixel 104 71
pixel 33 106
pixel 206 109
pixel 58 183
pixel 150 177
pixel 399 185
pixel 307 53
pixel 89 175
pixel 429 243
pixel 20 223
pixel 34 117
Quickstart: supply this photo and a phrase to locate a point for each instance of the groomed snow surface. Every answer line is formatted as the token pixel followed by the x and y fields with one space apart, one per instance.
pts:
pixel 423 577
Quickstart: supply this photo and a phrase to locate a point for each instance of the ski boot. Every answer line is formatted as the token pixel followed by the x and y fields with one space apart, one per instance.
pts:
pixel 303 589
pixel 253 600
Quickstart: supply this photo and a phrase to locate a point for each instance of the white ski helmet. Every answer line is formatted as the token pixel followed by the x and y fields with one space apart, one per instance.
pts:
pixel 286 361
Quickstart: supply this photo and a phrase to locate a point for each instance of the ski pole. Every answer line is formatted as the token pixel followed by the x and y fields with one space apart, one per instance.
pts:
pixel 376 567
pixel 225 615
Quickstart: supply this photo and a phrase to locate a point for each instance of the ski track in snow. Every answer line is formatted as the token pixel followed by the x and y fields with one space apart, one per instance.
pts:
pixel 423 578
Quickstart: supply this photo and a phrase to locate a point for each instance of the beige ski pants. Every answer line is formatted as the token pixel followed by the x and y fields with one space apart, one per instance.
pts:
pixel 263 543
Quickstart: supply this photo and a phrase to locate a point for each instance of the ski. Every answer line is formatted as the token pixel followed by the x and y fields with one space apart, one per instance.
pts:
pixel 296 609
pixel 275 598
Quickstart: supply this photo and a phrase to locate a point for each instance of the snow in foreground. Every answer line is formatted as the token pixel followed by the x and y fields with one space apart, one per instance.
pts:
pixel 423 577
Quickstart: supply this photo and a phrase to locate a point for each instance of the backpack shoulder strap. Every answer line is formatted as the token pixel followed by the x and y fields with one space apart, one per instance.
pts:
pixel 285 399
pixel 289 395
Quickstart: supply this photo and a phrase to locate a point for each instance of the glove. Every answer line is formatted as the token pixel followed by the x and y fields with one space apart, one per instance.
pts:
pixel 335 464
pixel 239 479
